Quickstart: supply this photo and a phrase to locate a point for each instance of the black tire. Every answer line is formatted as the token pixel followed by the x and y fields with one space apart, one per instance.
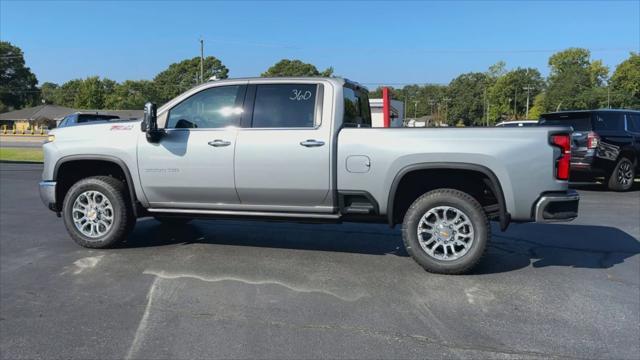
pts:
pixel 460 201
pixel 172 221
pixel 622 176
pixel 123 219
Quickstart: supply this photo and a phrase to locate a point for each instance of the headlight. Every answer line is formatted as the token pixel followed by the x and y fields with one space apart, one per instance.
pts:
pixel 50 138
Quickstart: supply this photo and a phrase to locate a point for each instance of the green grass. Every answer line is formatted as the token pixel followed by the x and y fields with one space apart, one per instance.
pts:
pixel 20 154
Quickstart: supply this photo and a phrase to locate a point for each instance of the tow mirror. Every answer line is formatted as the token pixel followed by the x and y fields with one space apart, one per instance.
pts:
pixel 150 122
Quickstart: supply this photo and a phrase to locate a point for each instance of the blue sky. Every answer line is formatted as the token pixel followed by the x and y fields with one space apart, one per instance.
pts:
pixel 370 42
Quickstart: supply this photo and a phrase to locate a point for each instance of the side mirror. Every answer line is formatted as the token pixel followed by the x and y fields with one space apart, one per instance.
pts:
pixel 150 122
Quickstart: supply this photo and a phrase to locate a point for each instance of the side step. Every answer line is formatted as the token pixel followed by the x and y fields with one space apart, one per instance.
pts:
pixel 359 208
pixel 268 214
pixel 357 203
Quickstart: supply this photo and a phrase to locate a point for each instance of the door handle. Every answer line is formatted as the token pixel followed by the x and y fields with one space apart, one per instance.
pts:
pixel 219 143
pixel 312 143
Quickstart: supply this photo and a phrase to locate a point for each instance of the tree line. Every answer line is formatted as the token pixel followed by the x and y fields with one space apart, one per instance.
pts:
pixel 575 82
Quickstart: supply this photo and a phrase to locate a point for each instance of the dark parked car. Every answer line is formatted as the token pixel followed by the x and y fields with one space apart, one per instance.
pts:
pixel 605 143
pixel 84 118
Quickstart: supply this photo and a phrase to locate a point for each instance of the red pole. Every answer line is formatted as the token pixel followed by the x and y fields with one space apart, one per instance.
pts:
pixel 386 108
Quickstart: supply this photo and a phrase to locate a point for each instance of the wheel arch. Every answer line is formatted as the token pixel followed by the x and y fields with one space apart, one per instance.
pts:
pixel 628 152
pixel 491 182
pixel 96 161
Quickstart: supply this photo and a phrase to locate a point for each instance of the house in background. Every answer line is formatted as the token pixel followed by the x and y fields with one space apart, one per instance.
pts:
pixel 34 117
pixel 49 116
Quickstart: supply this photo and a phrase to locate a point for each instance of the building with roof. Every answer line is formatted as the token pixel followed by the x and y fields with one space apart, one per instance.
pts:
pixel 34 117
pixel 49 116
pixel 396 112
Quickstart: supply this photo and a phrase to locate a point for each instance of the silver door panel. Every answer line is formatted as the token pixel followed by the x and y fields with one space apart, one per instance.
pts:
pixel 183 168
pixel 272 167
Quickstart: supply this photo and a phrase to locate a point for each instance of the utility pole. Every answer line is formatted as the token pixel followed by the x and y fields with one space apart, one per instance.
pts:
pixel 488 109
pixel 432 103
pixel 201 60
pixel 528 88
pixel 415 109
pixel 608 96
pixel 446 109
pixel 486 116
pixel 404 110
pixel 515 103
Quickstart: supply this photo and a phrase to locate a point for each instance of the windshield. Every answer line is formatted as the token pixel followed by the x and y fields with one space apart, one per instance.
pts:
pixel 578 121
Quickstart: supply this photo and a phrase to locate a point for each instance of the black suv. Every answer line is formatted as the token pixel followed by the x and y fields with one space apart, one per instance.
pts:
pixel 605 143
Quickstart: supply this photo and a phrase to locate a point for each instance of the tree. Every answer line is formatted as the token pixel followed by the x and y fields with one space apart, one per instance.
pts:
pixel 48 92
pixel 574 81
pixel 625 83
pixel 92 92
pixel 185 74
pixel 393 93
pixel 538 106
pixel 131 95
pixel 286 67
pixel 65 95
pixel 509 91
pixel 17 82
pixel 466 94
pixel 497 70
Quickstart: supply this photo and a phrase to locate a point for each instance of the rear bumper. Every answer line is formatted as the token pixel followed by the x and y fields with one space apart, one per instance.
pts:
pixel 48 194
pixel 561 206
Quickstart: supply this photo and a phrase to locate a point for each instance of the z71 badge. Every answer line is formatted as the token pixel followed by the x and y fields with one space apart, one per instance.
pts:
pixel 121 127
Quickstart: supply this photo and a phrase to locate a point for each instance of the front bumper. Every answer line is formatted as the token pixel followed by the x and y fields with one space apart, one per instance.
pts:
pixel 48 194
pixel 557 207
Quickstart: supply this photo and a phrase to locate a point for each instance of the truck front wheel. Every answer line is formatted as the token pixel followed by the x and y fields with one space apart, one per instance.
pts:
pixel 96 213
pixel 446 231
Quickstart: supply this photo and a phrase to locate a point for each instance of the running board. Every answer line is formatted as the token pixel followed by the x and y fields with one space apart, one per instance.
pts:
pixel 246 213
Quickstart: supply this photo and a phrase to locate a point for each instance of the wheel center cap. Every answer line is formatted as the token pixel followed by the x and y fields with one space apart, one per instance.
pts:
pixel 444 232
pixel 92 214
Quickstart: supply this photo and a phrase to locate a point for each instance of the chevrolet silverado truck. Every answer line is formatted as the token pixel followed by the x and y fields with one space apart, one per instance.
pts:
pixel 303 149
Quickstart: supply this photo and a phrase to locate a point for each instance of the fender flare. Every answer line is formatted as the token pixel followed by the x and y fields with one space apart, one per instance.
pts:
pixel 108 158
pixel 494 183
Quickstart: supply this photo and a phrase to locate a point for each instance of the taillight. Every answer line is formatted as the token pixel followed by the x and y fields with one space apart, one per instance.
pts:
pixel 563 141
pixel 592 140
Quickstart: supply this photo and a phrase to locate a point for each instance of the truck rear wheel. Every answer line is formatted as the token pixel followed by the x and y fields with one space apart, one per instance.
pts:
pixel 621 178
pixel 446 231
pixel 96 213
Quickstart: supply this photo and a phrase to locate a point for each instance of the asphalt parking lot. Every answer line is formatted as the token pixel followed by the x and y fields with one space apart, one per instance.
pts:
pixel 229 289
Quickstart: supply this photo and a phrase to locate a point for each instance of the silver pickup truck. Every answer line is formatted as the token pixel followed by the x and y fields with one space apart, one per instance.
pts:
pixel 303 149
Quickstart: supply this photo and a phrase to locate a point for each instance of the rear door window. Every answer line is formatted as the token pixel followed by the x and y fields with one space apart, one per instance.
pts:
pixel 633 122
pixel 285 106
pixel 609 121
pixel 356 108
pixel 578 121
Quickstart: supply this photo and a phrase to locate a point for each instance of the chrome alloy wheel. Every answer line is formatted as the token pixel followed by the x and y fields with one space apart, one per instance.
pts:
pixel 625 173
pixel 445 233
pixel 92 214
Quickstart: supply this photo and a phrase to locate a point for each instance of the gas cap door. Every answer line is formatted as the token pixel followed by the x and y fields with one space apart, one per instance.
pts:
pixel 358 164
